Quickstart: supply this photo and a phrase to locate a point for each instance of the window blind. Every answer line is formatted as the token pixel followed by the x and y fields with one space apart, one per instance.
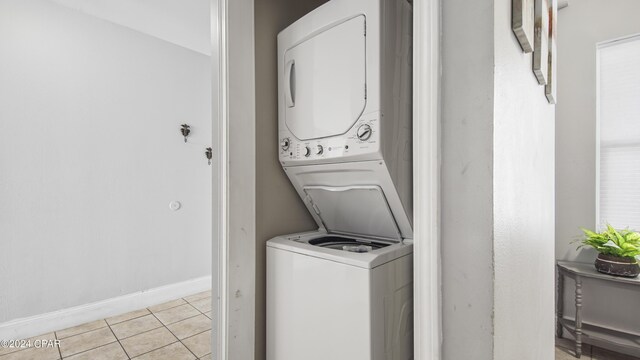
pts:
pixel 619 118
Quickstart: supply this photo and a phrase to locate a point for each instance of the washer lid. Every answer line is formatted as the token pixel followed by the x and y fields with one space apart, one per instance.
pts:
pixel 353 210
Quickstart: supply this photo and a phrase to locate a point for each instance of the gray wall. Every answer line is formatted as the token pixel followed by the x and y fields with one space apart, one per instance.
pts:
pixel 497 190
pixel 467 183
pixel 581 26
pixel 91 156
pixel 279 209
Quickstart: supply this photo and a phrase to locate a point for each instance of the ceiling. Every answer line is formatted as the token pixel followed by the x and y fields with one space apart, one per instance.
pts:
pixel 181 22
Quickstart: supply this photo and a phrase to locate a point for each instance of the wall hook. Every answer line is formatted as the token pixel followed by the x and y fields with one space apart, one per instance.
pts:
pixel 209 154
pixel 185 130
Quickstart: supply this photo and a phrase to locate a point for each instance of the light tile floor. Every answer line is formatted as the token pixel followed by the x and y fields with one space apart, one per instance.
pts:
pixel 175 330
pixel 565 350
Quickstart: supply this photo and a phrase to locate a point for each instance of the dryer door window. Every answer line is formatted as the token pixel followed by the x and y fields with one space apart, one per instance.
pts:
pixel 324 81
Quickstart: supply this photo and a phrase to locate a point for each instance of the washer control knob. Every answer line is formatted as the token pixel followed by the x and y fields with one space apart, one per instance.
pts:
pixel 320 150
pixel 364 132
pixel 285 143
pixel 307 151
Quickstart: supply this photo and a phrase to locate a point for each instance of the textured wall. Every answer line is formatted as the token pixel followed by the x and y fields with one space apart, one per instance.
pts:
pixel 524 197
pixel 467 168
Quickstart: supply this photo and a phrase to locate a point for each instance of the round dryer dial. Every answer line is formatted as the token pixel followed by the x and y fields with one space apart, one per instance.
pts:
pixel 285 143
pixel 307 152
pixel 364 132
pixel 319 150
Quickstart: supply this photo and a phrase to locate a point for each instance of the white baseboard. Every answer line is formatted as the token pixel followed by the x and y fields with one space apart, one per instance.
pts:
pixel 61 319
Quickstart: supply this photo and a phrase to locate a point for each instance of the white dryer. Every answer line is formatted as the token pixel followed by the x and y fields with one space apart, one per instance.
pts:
pixel 344 292
pixel 344 92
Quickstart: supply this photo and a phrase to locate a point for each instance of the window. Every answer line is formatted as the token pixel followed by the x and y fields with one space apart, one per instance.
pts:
pixel 619 120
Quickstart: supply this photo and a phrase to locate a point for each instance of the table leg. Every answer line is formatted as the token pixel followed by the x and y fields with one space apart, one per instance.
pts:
pixel 559 303
pixel 578 317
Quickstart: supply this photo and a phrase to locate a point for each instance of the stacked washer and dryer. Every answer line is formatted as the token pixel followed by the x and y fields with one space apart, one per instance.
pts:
pixel 345 291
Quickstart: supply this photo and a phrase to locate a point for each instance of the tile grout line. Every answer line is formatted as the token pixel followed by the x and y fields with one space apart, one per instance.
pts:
pixel 211 329
pixel 203 313
pixel 161 326
pixel 183 344
pixel 203 297
pixel 144 332
pixel 13 352
pixel 118 340
pixel 121 322
pixel 169 308
pixel 175 322
pixel 156 328
pixel 83 351
pixel 55 335
pixel 83 332
pixel 133 318
pixel 154 314
pixel 180 341
pixel 97 347
pixel 174 335
pixel 161 347
pixel 140 333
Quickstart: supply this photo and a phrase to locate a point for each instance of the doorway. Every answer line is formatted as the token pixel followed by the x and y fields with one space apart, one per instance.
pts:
pixel 239 271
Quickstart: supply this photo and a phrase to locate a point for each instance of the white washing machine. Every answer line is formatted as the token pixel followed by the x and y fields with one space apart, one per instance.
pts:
pixel 344 292
pixel 327 303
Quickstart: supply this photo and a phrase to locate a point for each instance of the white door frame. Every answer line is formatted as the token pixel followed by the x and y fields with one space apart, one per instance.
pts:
pixel 426 180
pixel 238 326
pixel 220 180
pixel 234 146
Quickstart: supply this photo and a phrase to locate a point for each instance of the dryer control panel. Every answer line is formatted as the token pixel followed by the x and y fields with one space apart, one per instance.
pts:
pixel 363 138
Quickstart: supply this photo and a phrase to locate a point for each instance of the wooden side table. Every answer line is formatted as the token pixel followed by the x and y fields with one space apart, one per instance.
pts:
pixel 612 339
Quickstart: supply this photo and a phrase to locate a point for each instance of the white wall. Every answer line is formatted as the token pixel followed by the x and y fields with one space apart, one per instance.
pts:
pixel 497 191
pixel 581 26
pixel 91 156
pixel 182 22
pixel 524 200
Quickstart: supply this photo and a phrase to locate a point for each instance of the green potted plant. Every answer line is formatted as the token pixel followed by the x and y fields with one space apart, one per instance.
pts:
pixel 618 251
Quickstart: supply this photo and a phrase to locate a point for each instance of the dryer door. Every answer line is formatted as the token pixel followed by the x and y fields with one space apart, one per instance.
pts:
pixel 324 81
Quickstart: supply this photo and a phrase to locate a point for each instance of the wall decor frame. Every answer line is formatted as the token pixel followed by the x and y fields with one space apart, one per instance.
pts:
pixel 551 88
pixel 522 23
pixel 541 42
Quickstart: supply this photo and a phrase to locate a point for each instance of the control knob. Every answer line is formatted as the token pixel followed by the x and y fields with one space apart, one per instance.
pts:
pixel 285 143
pixel 307 151
pixel 364 132
pixel 320 150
